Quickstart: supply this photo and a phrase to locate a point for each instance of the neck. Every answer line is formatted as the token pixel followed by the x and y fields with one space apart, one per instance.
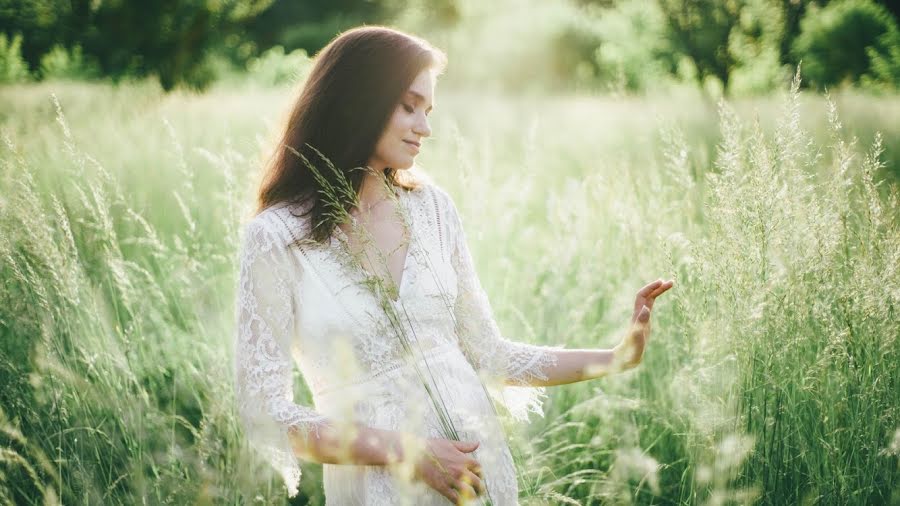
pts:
pixel 372 190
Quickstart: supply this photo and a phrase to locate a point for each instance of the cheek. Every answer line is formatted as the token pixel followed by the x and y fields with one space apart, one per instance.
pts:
pixel 399 123
pixel 386 135
pixel 390 146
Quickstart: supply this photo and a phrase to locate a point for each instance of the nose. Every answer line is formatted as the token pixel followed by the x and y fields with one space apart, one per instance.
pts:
pixel 421 127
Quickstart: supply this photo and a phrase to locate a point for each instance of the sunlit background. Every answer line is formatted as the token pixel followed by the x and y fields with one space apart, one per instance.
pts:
pixel 750 149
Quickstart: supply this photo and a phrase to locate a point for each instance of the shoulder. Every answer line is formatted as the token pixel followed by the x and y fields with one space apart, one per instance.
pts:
pixel 437 202
pixel 282 224
pixel 427 190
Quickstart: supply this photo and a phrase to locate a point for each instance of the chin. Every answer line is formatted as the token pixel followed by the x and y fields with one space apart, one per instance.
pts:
pixel 404 164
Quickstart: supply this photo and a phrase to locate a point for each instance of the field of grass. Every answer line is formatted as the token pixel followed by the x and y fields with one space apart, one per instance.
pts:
pixel 772 375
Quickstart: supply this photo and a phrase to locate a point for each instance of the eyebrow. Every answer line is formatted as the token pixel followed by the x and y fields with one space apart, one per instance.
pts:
pixel 419 97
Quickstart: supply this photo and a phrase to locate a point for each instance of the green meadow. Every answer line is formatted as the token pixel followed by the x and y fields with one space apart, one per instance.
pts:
pixel 772 375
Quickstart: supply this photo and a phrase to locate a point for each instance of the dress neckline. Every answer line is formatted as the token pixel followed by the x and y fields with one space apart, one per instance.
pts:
pixel 339 239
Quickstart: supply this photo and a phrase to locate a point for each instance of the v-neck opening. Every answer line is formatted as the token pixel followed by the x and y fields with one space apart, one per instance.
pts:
pixel 406 260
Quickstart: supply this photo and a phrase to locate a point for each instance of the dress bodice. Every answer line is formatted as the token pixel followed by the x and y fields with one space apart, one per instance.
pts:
pixel 352 311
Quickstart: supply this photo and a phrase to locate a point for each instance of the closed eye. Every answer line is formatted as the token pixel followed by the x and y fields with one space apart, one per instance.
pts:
pixel 419 98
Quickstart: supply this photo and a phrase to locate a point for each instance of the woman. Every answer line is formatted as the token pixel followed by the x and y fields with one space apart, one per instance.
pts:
pixel 361 274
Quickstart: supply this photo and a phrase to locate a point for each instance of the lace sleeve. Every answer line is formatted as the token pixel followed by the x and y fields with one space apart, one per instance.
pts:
pixel 513 363
pixel 263 368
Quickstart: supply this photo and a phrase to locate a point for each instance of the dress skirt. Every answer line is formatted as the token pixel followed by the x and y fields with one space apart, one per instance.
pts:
pixel 397 400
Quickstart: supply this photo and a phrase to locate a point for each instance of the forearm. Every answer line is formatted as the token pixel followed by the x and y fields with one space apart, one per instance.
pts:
pixel 352 444
pixel 574 365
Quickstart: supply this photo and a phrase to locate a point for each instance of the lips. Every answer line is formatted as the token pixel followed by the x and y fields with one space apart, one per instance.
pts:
pixel 413 144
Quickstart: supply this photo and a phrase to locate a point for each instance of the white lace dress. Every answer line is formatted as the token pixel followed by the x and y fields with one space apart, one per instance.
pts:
pixel 304 303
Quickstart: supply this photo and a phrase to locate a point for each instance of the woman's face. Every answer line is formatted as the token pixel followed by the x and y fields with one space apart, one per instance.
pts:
pixel 399 143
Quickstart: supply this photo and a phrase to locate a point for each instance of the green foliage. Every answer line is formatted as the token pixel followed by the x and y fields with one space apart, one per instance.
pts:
pixel 518 45
pixel 309 24
pixel 738 47
pixel 171 40
pixel 885 65
pixel 575 45
pixel 509 44
pixel 61 63
pixel 42 24
pixel 27 476
pixel 754 44
pixel 700 30
pixel 845 40
pixel 633 50
pixel 732 46
pixel 275 68
pixel 13 68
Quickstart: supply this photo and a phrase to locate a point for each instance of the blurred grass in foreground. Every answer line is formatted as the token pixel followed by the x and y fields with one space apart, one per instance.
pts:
pixel 772 375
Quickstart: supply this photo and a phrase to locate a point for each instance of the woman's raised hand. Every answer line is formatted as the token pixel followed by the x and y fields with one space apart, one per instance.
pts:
pixel 446 467
pixel 630 351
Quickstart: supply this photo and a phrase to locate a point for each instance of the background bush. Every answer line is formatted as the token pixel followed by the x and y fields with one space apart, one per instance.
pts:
pixel 13 68
pixel 840 42
pixel 738 47
pixel 61 63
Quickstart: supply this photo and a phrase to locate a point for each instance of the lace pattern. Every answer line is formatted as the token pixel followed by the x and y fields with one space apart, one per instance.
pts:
pixel 263 380
pixel 300 302
pixel 514 363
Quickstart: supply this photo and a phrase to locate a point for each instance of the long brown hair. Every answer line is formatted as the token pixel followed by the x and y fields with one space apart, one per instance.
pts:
pixel 355 84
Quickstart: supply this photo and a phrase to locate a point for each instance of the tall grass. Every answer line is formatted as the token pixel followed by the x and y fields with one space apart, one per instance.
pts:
pixel 774 375
pixel 771 376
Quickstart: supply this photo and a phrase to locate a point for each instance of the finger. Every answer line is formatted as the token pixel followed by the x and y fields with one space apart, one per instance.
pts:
pixel 475 480
pixel 472 478
pixel 661 289
pixel 465 491
pixel 665 285
pixel 649 288
pixel 451 494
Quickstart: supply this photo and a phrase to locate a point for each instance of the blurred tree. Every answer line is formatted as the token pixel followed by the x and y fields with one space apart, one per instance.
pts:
pixel 169 38
pixel 575 46
pixel 837 42
pixel 633 51
pixel 627 44
pixel 791 13
pixel 755 47
pixel 885 65
pixel 699 29
pixel 41 23
pixel 424 16
pixel 276 68
pixel 309 24
pixel 892 6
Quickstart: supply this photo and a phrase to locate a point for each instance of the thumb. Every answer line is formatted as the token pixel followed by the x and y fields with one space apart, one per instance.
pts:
pixel 466 446
pixel 644 315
